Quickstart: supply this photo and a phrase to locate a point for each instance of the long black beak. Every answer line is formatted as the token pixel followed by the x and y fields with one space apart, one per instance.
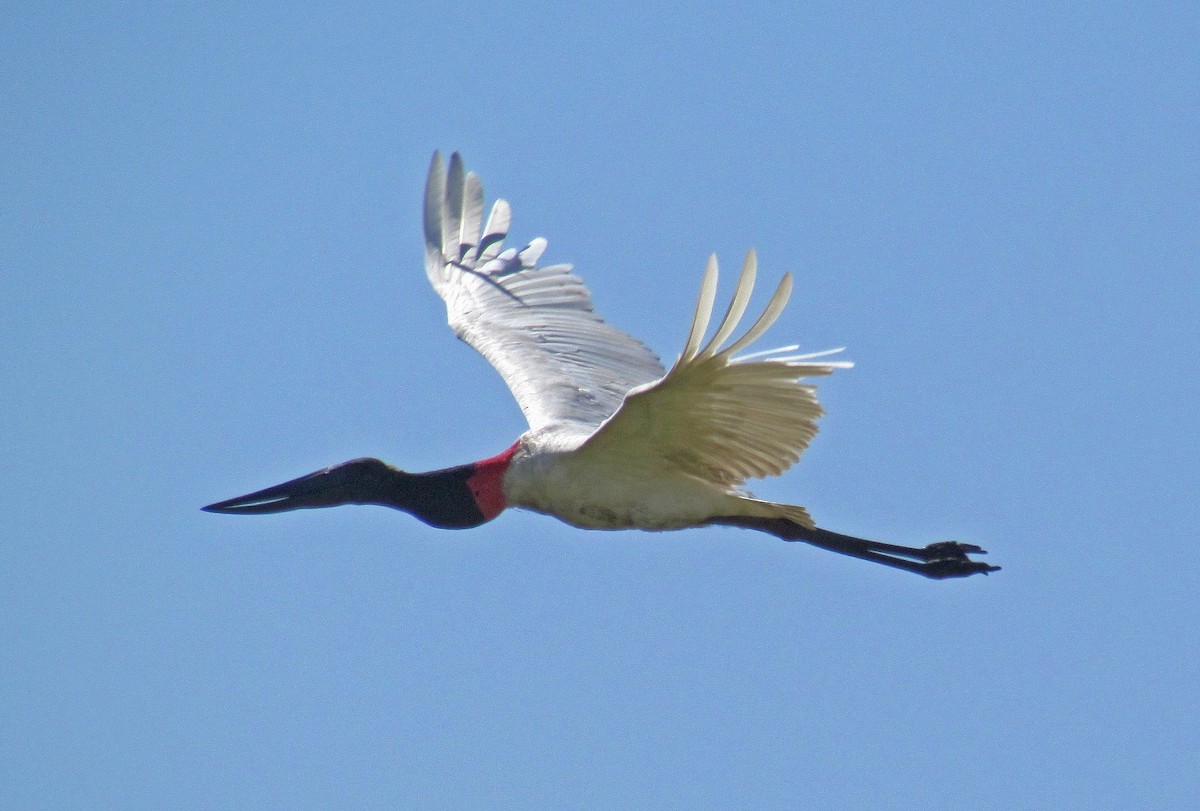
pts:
pixel 347 483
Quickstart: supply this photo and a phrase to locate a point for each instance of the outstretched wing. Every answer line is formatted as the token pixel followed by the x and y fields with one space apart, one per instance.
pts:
pixel 534 324
pixel 718 417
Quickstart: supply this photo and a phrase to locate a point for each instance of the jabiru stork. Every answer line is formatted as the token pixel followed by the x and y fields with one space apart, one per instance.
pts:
pixel 615 441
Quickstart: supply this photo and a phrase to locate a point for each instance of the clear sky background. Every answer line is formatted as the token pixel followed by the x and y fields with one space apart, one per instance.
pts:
pixel 212 281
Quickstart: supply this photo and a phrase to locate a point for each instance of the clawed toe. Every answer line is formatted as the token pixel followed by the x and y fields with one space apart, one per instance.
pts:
pixel 949 559
pixel 952 549
pixel 942 569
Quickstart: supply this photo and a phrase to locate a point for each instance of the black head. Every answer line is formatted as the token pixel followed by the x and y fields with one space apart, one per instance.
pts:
pixel 442 498
pixel 359 481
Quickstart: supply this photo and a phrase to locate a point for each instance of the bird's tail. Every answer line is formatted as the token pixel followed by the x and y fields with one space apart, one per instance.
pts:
pixel 790 513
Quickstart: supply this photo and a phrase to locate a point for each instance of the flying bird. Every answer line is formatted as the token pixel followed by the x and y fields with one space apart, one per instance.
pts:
pixel 615 441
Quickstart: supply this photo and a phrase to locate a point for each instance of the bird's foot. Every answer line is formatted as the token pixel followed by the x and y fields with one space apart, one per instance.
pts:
pixel 949 559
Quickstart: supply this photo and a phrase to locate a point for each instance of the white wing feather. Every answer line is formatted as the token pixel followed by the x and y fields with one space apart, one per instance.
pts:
pixel 716 417
pixel 535 325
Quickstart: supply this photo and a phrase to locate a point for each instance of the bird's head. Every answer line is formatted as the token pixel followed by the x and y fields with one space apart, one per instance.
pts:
pixel 359 481
pixel 454 498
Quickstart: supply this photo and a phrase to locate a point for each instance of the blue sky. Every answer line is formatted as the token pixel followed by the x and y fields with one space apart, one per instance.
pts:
pixel 212 282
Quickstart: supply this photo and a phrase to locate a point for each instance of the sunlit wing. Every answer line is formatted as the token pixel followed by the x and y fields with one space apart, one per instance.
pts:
pixel 534 324
pixel 716 416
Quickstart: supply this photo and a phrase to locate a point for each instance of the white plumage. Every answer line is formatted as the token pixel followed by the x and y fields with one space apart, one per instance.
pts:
pixel 534 324
pixel 613 441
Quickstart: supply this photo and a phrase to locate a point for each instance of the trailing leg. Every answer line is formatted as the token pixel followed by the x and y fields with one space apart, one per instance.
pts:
pixel 937 560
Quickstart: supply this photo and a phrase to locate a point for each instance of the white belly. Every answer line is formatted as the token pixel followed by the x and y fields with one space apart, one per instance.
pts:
pixel 588 493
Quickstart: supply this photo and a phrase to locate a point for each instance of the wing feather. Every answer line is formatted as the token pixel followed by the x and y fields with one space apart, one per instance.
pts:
pixel 737 305
pixel 704 305
pixel 717 417
pixel 469 234
pixel 535 325
pixel 495 231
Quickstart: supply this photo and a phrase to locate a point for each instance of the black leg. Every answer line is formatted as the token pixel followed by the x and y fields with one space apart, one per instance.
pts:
pixel 937 560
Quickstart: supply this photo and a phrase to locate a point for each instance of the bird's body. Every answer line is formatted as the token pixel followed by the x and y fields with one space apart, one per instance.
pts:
pixel 589 489
pixel 615 441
